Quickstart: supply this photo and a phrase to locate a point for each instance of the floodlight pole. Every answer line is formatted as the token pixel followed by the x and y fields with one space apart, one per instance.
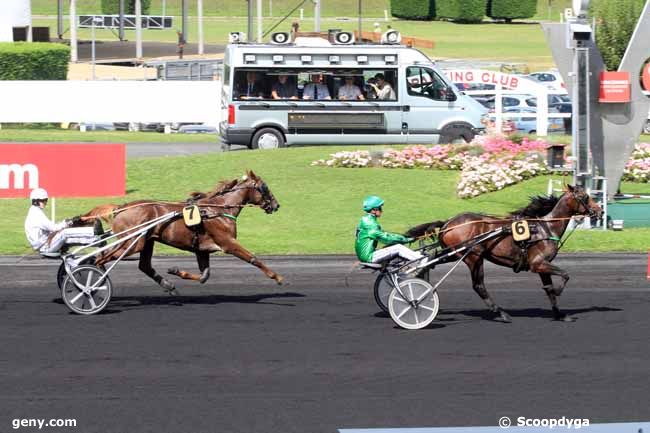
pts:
pixel 73 31
pixel 121 18
pixel 259 21
pixel 59 18
pixel 199 7
pixel 184 19
pixel 138 29
pixel 249 31
pixel 360 22
pixel 317 15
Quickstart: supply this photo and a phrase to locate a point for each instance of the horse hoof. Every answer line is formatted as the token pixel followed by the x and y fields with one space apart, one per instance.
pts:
pixel 503 317
pixel 173 271
pixel 279 280
pixel 173 292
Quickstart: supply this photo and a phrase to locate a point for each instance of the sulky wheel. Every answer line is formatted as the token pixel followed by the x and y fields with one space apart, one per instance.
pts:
pixel 85 293
pixel 421 307
pixel 382 291
pixel 61 274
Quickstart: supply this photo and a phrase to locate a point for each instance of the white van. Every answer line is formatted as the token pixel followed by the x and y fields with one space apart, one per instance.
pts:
pixel 316 92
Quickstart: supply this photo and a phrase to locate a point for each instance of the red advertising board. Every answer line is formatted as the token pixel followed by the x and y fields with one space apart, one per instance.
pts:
pixel 64 170
pixel 614 87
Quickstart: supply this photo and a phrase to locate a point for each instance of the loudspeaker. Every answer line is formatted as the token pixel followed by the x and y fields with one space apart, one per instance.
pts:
pixel 343 38
pixel 236 37
pixel 391 37
pixel 280 38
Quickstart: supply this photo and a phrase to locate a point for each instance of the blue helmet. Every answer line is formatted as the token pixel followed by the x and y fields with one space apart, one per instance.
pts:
pixel 372 202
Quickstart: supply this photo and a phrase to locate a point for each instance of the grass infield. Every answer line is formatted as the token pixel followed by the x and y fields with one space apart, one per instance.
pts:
pixel 320 206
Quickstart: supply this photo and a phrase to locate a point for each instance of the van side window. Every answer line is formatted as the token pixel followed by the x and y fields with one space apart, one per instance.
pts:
pixel 250 85
pixel 421 81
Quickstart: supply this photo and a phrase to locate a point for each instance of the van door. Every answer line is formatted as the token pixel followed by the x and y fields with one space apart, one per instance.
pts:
pixel 429 103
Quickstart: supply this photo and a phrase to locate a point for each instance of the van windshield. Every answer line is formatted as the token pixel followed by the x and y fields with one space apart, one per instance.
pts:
pixel 343 84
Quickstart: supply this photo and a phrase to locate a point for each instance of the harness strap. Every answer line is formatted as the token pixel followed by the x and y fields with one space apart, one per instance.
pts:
pixel 227 215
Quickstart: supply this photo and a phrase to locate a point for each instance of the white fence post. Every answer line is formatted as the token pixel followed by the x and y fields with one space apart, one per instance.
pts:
pixel 542 112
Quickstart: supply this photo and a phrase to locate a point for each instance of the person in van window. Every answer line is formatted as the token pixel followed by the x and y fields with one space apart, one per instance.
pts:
pixel 316 89
pixel 350 91
pixel 383 90
pixel 282 89
pixel 251 88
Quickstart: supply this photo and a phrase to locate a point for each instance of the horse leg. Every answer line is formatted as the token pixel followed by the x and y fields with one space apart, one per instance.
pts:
pixel 145 266
pixel 231 246
pixel 203 259
pixel 475 265
pixel 545 267
pixel 547 285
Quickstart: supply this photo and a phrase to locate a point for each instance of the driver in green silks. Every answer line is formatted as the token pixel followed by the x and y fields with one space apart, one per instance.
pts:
pixel 369 233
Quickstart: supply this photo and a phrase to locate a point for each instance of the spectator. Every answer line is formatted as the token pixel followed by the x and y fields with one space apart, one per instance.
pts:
pixel 350 91
pixel 283 90
pixel 251 88
pixel 383 90
pixel 315 89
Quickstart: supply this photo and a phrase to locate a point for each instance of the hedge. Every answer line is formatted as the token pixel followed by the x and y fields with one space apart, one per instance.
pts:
pixel 465 11
pixel 511 9
pixel 112 7
pixel 33 61
pixel 413 9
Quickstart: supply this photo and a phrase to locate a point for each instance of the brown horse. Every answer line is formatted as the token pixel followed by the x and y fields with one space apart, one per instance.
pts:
pixel 217 232
pixel 548 218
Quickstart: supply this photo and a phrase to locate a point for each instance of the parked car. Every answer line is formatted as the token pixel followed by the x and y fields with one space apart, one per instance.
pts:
pixel 528 125
pixel 551 79
pixel 197 129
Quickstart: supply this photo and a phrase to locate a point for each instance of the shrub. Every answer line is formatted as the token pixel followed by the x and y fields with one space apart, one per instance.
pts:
pixel 464 11
pixel 33 61
pixel 112 7
pixel 511 9
pixel 615 22
pixel 413 9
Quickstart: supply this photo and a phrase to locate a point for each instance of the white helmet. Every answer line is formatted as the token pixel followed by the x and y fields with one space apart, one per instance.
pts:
pixel 38 194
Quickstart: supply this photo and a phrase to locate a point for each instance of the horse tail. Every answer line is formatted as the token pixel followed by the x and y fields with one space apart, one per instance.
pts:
pixel 423 229
pixel 103 212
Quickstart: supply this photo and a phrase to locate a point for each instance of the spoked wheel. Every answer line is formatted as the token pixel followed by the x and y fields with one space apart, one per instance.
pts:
pixel 421 307
pixel 61 274
pixel 91 293
pixel 382 291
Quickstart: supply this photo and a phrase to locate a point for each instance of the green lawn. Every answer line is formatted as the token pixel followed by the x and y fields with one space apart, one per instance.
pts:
pixel 521 43
pixel 546 9
pixel 8 135
pixel 320 206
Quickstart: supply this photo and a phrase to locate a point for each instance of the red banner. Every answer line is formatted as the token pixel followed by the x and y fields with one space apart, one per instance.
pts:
pixel 614 87
pixel 64 170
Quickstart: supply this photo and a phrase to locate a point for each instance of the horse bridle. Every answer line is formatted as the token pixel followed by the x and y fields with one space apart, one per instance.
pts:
pixel 583 201
pixel 262 188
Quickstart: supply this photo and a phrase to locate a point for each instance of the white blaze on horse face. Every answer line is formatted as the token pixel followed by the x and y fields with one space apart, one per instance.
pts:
pixel 244 177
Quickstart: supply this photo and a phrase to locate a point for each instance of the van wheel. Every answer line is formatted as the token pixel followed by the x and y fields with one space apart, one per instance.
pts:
pixel 267 138
pixel 456 134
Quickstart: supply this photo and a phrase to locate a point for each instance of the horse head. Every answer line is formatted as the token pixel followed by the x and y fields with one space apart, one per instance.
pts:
pixel 581 203
pixel 260 194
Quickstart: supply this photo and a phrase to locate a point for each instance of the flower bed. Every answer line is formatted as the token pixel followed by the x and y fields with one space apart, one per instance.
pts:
pixel 637 168
pixel 489 163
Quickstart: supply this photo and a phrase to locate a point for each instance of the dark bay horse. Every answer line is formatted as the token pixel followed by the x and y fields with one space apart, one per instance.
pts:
pixel 217 231
pixel 549 215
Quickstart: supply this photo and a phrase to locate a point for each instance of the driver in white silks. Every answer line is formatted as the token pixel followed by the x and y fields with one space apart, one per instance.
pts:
pixel 44 235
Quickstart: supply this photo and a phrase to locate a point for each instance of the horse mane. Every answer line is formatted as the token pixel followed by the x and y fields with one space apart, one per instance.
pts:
pixel 222 186
pixel 539 206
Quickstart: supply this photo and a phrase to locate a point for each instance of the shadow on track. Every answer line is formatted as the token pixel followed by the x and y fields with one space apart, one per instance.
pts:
pixel 529 312
pixel 123 303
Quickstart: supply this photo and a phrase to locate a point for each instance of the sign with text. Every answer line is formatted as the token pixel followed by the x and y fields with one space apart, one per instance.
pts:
pixel 614 87
pixel 64 170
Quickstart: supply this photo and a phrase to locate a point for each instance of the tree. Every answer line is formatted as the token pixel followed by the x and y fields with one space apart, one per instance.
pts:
pixel 615 23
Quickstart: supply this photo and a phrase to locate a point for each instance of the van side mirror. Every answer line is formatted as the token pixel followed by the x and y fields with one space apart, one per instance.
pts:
pixel 450 95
